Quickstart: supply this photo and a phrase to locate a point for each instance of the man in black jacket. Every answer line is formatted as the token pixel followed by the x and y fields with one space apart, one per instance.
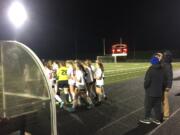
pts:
pixel 166 63
pixel 153 84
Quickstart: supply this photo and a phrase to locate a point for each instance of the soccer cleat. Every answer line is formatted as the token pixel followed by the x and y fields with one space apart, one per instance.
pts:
pixel 145 121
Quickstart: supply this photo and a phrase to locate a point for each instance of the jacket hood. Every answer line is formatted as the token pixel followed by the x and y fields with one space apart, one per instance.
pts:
pixel 167 57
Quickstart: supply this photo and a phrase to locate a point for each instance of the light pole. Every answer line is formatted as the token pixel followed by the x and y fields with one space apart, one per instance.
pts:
pixel 104 46
pixel 134 52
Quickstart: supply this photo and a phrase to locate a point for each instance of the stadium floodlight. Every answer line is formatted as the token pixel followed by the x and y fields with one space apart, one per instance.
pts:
pixel 17 14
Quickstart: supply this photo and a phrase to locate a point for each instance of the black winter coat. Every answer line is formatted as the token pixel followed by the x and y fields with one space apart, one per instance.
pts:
pixel 154 81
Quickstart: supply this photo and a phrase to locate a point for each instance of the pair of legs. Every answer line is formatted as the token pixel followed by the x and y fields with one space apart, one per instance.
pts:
pixel 165 103
pixel 72 91
pixel 152 103
pixel 91 90
pixel 100 92
pixel 63 85
pixel 81 93
pixel 55 89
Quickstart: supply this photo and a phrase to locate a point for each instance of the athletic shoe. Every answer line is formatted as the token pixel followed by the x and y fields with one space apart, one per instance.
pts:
pixel 105 97
pixel 165 118
pixel 70 109
pixel 98 103
pixel 157 122
pixel 90 106
pixel 145 121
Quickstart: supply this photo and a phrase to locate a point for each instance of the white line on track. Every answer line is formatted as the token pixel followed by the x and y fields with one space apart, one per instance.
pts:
pixel 172 115
pixel 115 121
pixel 76 117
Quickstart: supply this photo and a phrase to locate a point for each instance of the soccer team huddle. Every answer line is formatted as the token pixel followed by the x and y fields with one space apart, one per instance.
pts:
pixel 76 83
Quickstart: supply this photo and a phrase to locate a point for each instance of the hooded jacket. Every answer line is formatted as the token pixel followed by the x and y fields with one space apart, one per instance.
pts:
pixel 154 80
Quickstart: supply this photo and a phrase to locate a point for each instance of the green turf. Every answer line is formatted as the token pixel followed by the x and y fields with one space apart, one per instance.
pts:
pixel 117 72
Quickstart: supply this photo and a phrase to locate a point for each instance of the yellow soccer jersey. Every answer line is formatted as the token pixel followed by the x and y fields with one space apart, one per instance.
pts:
pixel 62 74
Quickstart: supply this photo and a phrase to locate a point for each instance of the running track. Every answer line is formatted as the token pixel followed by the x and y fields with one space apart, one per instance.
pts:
pixel 118 115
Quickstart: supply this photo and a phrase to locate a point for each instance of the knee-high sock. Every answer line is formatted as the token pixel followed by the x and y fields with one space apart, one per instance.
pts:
pixel 58 98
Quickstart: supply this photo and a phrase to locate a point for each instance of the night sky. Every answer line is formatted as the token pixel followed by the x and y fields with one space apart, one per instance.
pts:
pixel 66 29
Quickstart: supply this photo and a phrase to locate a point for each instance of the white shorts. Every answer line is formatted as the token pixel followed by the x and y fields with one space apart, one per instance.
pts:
pixel 71 82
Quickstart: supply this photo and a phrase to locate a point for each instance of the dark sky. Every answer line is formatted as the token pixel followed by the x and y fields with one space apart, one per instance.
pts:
pixel 60 28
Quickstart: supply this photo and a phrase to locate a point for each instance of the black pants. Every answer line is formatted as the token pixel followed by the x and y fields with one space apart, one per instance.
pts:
pixel 152 103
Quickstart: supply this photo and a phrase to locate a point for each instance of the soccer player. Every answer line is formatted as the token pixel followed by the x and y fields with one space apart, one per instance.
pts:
pixel 62 78
pixel 55 66
pixel 71 78
pixel 54 69
pixel 81 89
pixel 90 79
pixel 49 75
pixel 99 74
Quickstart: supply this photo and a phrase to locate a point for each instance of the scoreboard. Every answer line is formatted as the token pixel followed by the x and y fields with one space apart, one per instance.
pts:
pixel 119 50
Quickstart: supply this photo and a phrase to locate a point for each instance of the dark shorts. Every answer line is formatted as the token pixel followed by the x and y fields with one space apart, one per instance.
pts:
pixel 63 84
pixel 94 80
pixel 99 86
pixel 81 88
pixel 91 83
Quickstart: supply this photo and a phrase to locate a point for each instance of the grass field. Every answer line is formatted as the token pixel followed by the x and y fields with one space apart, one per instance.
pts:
pixel 117 72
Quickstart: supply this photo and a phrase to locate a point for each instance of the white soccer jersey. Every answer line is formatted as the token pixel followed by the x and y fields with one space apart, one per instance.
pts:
pixel 80 82
pixel 93 68
pixel 71 73
pixel 55 67
pixel 99 77
pixel 49 75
